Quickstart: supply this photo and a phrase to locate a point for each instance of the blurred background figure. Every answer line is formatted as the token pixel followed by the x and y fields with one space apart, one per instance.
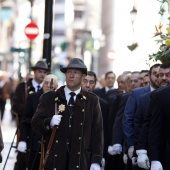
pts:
pixel 5 93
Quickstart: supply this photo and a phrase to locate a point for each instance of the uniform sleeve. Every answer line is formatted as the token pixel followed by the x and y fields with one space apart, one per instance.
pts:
pixel 97 134
pixel 156 130
pixel 18 100
pixel 128 120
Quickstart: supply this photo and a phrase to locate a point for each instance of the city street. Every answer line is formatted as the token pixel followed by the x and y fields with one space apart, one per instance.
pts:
pixel 8 131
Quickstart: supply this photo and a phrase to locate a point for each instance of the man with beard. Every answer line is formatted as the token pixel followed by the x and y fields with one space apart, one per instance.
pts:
pixel 130 110
pixel 143 117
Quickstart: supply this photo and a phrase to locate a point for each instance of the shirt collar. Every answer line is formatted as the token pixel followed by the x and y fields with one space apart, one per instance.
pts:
pixel 35 84
pixel 107 88
pixel 152 89
pixel 67 92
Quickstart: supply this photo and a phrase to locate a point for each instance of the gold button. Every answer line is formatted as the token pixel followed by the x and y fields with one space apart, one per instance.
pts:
pixel 55 169
pixel 56 141
pixel 82 110
pixel 47 127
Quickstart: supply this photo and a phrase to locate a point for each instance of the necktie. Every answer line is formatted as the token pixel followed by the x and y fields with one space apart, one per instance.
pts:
pixel 71 100
pixel 38 87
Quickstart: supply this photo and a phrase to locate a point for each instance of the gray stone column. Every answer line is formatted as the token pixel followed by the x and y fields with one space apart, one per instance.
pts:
pixel 107 26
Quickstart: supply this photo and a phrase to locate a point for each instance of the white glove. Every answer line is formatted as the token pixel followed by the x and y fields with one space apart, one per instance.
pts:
pixel 142 159
pixel 22 146
pixel 125 158
pixel 95 166
pixel 156 165
pixel 115 149
pixel 130 151
pixel 134 161
pixel 103 163
pixel 56 119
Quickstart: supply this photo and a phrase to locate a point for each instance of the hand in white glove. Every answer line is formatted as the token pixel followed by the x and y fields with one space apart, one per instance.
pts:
pixel 22 146
pixel 156 165
pixel 130 151
pixel 56 119
pixel 95 166
pixel 103 163
pixel 142 159
pixel 134 161
pixel 125 158
pixel 115 149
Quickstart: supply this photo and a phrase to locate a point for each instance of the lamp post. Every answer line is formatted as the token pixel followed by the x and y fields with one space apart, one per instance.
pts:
pixel 133 14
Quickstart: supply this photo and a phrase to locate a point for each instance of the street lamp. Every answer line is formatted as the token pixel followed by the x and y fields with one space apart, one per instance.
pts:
pixel 133 14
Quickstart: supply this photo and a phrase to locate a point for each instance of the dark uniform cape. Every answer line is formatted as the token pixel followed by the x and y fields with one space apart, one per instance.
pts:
pixel 32 138
pixel 86 130
pixel 159 132
pixel 20 95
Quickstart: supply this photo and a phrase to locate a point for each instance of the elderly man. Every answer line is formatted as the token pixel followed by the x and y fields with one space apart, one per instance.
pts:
pixel 77 117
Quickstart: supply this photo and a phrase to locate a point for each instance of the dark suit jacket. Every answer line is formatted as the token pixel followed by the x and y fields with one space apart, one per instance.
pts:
pixel 117 134
pixel 105 113
pixel 130 110
pixel 114 105
pixel 143 136
pixel 102 93
pixel 159 132
pixel 140 114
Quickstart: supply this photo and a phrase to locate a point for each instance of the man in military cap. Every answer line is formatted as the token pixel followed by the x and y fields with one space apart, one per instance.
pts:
pixel 20 97
pixel 78 141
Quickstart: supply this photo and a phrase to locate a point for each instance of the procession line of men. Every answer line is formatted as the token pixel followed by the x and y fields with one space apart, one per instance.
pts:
pixel 127 128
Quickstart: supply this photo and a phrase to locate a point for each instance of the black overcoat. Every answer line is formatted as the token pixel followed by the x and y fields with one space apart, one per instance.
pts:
pixel 87 130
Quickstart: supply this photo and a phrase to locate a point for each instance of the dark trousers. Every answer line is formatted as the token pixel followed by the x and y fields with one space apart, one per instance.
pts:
pixel 20 164
pixel 2 107
pixel 114 162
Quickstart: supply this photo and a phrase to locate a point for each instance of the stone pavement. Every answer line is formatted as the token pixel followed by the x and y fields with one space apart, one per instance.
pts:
pixel 8 128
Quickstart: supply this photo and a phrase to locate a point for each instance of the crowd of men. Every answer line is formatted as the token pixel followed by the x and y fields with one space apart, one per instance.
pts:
pixel 81 126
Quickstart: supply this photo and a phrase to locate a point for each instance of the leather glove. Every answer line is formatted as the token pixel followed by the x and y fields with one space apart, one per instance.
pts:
pixel 156 165
pixel 95 166
pixel 130 151
pixel 125 158
pixel 142 159
pixel 56 119
pixel 22 146
pixel 115 149
pixel 134 161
